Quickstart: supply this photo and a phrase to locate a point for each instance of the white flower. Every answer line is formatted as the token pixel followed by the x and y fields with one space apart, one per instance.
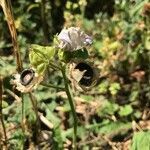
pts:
pixel 72 39
pixel 27 80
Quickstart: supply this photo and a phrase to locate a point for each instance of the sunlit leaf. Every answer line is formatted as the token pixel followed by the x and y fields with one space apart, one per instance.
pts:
pixel 141 140
pixel 125 110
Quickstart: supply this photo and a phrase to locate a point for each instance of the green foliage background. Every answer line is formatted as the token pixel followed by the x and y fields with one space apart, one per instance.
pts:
pixel 116 108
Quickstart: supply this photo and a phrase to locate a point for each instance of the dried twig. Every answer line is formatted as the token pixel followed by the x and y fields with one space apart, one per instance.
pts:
pixel 44 23
pixel 18 99
pixel 1 113
pixel 113 146
pixel 45 121
pixel 7 9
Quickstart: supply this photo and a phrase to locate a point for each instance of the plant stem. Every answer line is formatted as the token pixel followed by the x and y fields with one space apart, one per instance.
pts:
pixel 67 90
pixel 44 23
pixel 54 66
pixel 37 128
pixel 23 114
pixel 1 113
pixel 7 9
pixel 53 86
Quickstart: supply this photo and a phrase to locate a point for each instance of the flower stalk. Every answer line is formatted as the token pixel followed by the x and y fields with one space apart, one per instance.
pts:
pixel 71 105
pixel 52 86
pixel 34 105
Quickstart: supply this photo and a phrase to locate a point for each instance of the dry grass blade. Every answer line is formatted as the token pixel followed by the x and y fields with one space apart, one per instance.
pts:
pixel 6 6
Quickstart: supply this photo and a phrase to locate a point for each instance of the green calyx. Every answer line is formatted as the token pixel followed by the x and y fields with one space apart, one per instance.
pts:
pixel 67 56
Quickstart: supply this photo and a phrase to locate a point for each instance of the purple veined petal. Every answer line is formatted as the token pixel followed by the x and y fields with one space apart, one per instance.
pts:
pixel 63 36
pixel 73 38
pixel 65 45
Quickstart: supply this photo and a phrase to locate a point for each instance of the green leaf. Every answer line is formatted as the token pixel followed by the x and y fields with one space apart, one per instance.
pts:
pixel 114 88
pixel 114 46
pixel 98 45
pixel 103 87
pixel 41 68
pixel 31 116
pixel 41 53
pixel 57 136
pixel 88 24
pixel 112 127
pixel 35 59
pixel 125 110
pixel 141 140
pixel 4 104
pixel 147 42
pixel 52 117
pixel 108 108
pixel 87 98
pixel 108 127
pixel 17 139
pixel 36 56
pixel 50 52
pixel 134 95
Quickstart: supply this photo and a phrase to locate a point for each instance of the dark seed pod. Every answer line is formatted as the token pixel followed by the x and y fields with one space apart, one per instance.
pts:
pixel 83 75
pixel 87 77
pixel 26 76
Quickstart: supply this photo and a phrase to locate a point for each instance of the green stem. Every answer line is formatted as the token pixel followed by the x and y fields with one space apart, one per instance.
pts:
pixel 71 105
pixel 52 86
pixel 37 128
pixel 54 66
pixel 23 113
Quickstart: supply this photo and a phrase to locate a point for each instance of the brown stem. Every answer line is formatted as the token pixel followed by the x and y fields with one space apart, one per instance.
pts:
pixel 44 23
pixel 7 9
pixel 1 113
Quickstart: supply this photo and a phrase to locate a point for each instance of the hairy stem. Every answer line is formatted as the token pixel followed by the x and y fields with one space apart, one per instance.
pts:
pixel 67 90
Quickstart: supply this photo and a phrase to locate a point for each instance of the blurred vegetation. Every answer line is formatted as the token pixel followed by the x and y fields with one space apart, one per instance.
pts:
pixel 115 114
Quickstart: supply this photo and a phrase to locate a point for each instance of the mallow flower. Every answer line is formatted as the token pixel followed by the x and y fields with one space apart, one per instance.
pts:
pixel 73 38
pixel 27 80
